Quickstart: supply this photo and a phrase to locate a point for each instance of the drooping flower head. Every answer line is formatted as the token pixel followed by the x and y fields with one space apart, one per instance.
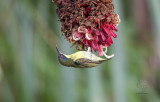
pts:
pixel 88 23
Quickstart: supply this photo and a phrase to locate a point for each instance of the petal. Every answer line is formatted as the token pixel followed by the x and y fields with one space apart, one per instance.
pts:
pixel 74 22
pixel 107 25
pixel 88 9
pixel 108 44
pixel 82 29
pixel 102 36
pixel 96 37
pixel 105 30
pixel 94 46
pixel 110 40
pixel 88 36
pixel 90 30
pixel 114 28
pixel 78 35
pixel 105 46
pixel 113 34
pixel 97 32
pixel 100 51
pixel 86 42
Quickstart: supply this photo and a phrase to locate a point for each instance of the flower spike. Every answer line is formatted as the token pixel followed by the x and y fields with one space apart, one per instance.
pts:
pixel 88 22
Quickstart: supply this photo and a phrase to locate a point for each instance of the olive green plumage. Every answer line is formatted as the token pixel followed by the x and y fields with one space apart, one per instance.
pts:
pixel 80 59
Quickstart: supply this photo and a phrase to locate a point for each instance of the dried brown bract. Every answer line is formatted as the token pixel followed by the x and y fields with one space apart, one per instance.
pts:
pixel 88 22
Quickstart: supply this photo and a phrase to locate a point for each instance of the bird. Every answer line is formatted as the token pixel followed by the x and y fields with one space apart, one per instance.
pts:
pixel 80 59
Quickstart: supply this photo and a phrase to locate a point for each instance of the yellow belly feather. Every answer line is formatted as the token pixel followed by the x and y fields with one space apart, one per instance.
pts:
pixel 84 54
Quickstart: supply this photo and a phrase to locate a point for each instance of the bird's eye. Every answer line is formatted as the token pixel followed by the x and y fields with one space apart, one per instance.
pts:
pixel 64 58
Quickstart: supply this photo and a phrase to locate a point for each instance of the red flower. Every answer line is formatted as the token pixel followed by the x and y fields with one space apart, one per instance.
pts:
pixel 89 23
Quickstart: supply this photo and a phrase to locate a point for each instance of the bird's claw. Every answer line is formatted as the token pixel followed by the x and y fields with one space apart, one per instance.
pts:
pixel 104 53
pixel 107 56
pixel 89 49
pixel 106 50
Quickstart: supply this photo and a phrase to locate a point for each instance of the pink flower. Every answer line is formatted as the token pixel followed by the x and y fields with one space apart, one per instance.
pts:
pixel 89 23
pixel 98 39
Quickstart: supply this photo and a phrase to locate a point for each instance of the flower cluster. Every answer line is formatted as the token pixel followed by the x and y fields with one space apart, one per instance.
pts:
pixel 88 23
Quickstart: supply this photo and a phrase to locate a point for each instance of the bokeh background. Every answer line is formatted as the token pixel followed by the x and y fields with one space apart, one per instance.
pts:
pixel 30 72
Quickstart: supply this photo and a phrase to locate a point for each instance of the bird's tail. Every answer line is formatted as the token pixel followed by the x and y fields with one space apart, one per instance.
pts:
pixel 100 61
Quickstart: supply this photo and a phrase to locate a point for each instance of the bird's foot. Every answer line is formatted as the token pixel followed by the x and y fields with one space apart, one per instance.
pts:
pixel 107 56
pixel 89 49
pixel 105 50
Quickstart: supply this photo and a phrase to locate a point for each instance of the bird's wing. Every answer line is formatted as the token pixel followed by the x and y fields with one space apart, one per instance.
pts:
pixel 85 55
pixel 85 61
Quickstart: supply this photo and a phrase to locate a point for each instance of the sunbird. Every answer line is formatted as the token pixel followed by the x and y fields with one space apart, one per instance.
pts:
pixel 80 59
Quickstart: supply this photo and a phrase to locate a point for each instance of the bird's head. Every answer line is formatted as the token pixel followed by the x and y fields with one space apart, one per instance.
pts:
pixel 64 59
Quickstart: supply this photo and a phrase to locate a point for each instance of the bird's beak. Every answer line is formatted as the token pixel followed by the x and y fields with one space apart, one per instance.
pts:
pixel 58 50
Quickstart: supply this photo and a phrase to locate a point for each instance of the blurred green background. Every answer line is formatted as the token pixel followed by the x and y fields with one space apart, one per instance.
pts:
pixel 30 72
